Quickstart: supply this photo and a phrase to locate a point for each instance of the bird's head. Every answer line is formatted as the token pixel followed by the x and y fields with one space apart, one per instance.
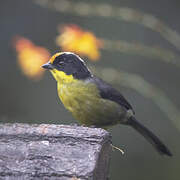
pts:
pixel 67 66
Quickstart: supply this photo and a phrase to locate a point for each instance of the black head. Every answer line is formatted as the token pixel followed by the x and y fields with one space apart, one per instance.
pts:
pixel 69 63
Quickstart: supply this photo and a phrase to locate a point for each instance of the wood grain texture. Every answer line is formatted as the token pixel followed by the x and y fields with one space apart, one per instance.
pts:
pixel 53 152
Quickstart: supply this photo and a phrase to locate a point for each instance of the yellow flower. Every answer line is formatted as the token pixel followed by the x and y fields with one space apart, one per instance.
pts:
pixel 31 57
pixel 73 38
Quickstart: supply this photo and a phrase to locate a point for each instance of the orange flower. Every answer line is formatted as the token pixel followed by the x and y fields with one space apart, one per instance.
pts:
pixel 31 57
pixel 74 39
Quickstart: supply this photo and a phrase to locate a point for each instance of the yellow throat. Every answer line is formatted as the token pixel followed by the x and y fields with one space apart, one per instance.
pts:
pixel 62 77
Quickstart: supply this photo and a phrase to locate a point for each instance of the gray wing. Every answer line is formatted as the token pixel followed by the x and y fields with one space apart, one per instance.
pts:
pixel 108 92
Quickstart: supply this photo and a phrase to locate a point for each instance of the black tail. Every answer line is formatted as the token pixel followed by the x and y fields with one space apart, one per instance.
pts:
pixel 154 140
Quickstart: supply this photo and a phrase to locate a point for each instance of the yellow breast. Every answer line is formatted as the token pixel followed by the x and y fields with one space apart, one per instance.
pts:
pixel 86 105
pixel 83 100
pixel 76 96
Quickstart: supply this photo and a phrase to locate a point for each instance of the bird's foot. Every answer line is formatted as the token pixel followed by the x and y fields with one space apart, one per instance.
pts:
pixel 93 126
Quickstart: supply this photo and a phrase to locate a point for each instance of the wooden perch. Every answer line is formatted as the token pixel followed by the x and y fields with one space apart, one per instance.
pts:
pixel 53 152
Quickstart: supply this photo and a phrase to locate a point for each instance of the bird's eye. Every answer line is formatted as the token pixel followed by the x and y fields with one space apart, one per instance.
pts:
pixel 61 63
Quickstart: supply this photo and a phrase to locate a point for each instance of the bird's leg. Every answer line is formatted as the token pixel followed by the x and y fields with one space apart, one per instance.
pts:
pixel 74 124
pixel 116 148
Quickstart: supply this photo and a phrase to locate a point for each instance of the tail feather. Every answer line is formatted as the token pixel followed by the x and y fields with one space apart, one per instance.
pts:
pixel 149 136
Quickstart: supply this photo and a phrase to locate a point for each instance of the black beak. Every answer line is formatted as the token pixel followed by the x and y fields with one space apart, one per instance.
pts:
pixel 47 66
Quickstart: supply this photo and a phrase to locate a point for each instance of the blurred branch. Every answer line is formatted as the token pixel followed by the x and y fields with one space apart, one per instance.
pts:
pixel 121 13
pixel 143 87
pixel 142 50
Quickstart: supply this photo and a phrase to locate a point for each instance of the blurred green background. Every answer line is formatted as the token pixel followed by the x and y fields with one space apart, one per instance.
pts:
pixel 23 100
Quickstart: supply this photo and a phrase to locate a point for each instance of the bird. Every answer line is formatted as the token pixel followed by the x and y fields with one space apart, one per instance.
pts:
pixel 91 100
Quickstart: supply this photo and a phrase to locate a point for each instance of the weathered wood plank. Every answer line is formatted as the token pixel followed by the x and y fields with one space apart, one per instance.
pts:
pixel 53 152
